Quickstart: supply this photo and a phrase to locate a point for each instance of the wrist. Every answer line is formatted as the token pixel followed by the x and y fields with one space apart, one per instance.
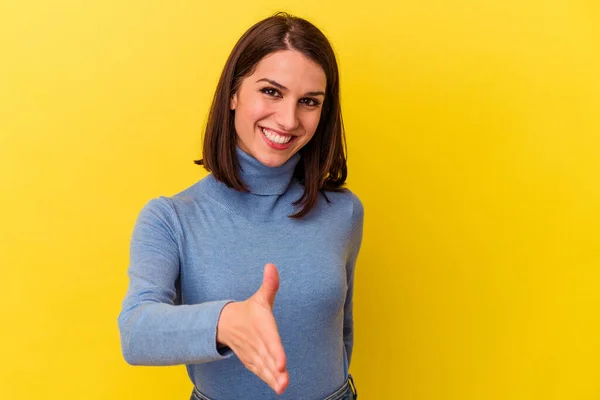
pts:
pixel 223 326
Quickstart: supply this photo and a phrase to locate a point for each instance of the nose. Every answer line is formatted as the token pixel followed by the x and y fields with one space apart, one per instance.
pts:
pixel 287 116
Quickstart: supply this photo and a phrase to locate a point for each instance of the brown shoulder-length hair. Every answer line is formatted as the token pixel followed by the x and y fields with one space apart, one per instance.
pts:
pixel 323 161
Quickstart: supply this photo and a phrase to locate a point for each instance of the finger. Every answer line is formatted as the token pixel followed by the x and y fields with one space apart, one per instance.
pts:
pixel 267 376
pixel 257 367
pixel 272 342
pixel 284 380
pixel 272 376
pixel 256 356
pixel 270 285
pixel 268 360
pixel 278 355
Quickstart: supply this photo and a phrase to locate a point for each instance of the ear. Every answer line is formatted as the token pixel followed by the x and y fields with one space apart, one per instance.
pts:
pixel 233 102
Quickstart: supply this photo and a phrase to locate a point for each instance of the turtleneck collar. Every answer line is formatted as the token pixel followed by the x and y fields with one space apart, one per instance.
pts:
pixel 263 180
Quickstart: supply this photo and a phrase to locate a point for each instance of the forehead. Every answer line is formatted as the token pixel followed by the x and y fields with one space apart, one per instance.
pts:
pixel 291 69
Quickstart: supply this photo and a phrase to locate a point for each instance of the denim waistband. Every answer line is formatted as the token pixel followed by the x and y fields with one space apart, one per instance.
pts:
pixel 346 392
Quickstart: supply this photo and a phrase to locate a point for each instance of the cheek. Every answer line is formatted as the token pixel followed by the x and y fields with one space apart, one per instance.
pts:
pixel 253 111
pixel 311 121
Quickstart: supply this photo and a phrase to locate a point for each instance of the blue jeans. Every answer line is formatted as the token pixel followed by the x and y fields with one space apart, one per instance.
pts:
pixel 346 392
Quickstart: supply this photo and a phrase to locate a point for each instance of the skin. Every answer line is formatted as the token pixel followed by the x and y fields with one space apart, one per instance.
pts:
pixel 284 94
pixel 290 104
pixel 250 330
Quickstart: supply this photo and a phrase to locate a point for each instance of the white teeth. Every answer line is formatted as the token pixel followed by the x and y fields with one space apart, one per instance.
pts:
pixel 272 136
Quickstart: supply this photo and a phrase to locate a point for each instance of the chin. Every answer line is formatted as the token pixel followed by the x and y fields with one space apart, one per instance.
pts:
pixel 272 161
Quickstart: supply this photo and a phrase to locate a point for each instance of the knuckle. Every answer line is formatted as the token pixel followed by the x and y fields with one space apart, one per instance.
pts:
pixel 256 366
pixel 262 352
pixel 251 366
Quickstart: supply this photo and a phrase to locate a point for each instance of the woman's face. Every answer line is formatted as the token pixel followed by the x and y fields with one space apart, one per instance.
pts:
pixel 278 107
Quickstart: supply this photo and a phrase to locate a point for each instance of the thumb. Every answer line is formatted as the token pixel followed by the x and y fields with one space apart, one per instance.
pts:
pixel 268 290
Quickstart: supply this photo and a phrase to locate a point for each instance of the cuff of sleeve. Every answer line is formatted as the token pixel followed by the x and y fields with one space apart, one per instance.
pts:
pixel 214 353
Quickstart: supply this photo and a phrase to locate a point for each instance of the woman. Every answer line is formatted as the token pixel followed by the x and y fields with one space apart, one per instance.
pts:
pixel 247 276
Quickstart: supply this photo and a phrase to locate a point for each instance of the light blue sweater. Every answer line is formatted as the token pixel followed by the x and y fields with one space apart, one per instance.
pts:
pixel 194 252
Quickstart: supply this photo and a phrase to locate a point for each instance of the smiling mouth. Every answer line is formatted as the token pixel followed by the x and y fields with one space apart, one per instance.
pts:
pixel 276 137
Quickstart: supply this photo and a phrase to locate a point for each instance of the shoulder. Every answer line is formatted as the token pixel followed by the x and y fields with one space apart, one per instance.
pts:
pixel 157 208
pixel 157 215
pixel 191 194
pixel 167 210
pixel 351 211
pixel 358 210
pixel 358 214
pixel 349 201
pixel 344 213
pixel 181 202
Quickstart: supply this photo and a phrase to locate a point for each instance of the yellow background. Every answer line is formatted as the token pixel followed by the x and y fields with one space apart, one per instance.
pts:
pixel 474 143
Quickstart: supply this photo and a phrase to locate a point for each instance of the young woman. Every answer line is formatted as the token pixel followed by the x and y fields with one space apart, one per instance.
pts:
pixel 247 276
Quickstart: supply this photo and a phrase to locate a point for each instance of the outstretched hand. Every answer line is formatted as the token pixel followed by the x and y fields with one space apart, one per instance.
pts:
pixel 249 329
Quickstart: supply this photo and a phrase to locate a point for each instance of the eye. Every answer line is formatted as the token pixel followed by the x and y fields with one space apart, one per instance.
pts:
pixel 271 92
pixel 310 102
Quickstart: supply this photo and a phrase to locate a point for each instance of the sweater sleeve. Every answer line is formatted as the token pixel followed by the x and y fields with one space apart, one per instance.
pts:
pixel 155 328
pixel 354 244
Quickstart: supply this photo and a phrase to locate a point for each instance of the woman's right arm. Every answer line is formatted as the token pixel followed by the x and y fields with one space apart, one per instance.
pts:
pixel 154 329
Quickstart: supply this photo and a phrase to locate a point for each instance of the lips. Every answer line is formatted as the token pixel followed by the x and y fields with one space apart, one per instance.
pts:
pixel 275 145
pixel 276 131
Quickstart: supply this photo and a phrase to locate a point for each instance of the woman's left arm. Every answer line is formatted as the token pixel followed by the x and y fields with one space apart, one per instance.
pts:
pixel 354 243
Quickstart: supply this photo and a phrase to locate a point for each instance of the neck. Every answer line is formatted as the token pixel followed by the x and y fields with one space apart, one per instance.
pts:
pixel 263 180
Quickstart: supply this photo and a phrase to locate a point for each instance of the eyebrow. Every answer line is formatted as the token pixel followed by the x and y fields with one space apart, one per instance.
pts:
pixel 280 86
